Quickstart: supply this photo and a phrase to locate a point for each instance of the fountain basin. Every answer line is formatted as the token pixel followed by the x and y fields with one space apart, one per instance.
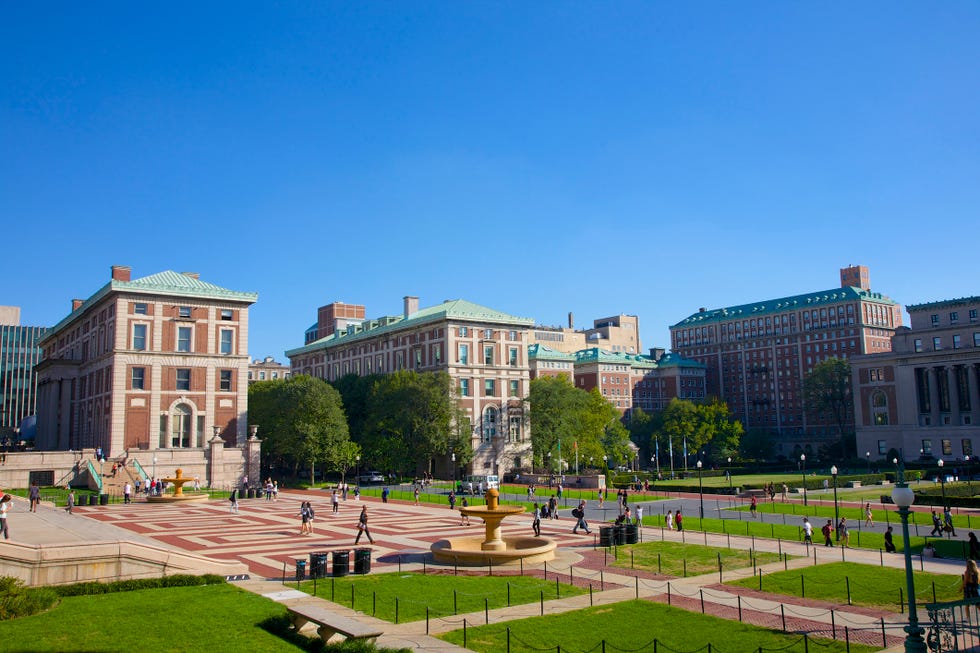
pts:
pixel 177 498
pixel 470 551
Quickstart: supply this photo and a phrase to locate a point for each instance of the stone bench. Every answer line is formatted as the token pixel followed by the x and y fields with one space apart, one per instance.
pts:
pixel 330 623
pixel 854 484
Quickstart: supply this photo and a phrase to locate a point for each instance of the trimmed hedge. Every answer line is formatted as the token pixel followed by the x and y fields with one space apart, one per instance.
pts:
pixel 178 580
pixel 16 600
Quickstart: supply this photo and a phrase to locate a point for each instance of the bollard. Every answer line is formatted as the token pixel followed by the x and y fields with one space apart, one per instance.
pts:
pixel 396 610
pixel 590 595
pixel 658 564
pixel 847 581
pixel 782 610
pixel 542 603
pixel 602 582
pixel 802 586
pixel 701 592
pixel 668 592
pixel 739 597
pixel 833 625
pixel 486 610
pixel 464 633
pixel 426 620
pixel 720 580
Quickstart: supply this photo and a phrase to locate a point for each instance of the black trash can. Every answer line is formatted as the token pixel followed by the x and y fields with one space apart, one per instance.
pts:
pixel 341 563
pixel 88 500
pixel 251 493
pixel 632 534
pixel 605 536
pixel 362 561
pixel 318 565
pixel 619 534
pixel 103 499
pixel 300 570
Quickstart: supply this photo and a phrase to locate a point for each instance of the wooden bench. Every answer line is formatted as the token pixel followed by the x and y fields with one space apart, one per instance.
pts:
pixel 330 623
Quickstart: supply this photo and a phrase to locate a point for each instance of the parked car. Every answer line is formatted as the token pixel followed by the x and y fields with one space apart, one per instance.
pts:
pixel 371 477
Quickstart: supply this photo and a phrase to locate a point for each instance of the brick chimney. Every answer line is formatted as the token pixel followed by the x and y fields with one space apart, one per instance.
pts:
pixel 411 306
pixel 76 304
pixel 121 273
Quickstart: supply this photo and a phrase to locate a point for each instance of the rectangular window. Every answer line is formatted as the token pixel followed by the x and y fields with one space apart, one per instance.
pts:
pixel 183 339
pixel 139 337
pixel 225 346
pixel 490 388
pixel 488 333
pixel 973 315
pixel 957 341
pixel 918 345
pixel 464 387
pixel 513 335
pixel 184 311
pixel 138 377
pixel 927 447
pixel 261 376
pixel 224 381
pixel 463 332
pixel 954 317
pixel 947 447
pixel 937 343
pixel 464 354
pixel 183 379
pixel 935 319
pixel 512 356
pixel 514 387
pixel 488 355
pixel 882 447
pixel 139 308
pixel 226 314
pixel 976 339
pixel 967 447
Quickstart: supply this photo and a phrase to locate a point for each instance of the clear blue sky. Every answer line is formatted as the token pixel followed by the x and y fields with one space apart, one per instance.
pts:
pixel 538 158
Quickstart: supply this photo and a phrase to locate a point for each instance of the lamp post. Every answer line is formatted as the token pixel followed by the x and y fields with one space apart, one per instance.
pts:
pixel 548 464
pixel 942 480
pixel 969 473
pixel 154 467
pixel 357 470
pixel 833 472
pixel 730 474
pixel 452 457
pixel 867 455
pixel 803 468
pixel 903 496
pixel 700 490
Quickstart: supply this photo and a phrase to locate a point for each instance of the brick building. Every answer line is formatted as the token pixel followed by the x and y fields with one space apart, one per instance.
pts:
pixel 484 351
pixel 758 354
pixel 617 334
pixel 267 369
pixel 159 362
pixel 923 397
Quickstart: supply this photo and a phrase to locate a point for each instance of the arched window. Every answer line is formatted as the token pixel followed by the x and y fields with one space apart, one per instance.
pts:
pixel 879 408
pixel 490 418
pixel 180 426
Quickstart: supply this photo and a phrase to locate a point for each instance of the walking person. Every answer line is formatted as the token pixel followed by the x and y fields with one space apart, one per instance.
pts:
pixel 974 547
pixel 827 531
pixel 304 519
pixel 843 534
pixel 638 520
pixel 807 532
pixel 937 526
pixel 536 521
pixel 948 522
pixel 971 580
pixel 416 493
pixel 335 502
pixel 127 493
pixel 233 501
pixel 679 520
pixel 753 507
pixel 670 520
pixel 384 494
pixel 464 519
pixel 889 542
pixel 868 517
pixel 34 495
pixel 362 526
pixel 579 515
pixel 70 503
pixel 312 514
pixel 4 507
pixel 452 500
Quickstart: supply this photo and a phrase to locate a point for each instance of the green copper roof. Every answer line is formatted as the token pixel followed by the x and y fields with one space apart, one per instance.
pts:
pixel 455 310
pixel 943 303
pixel 170 283
pixel 773 306
pixel 540 352
pixel 638 361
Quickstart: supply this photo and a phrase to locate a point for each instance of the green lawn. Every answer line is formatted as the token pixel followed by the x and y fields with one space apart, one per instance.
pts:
pixel 677 559
pixel 442 594
pixel 877 587
pixel 633 626
pixel 855 515
pixel 787 532
pixel 212 618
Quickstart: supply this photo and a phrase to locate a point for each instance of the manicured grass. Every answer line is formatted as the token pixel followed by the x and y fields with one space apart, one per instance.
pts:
pixel 633 626
pixel 677 559
pixel 214 618
pixel 787 532
pixel 856 515
pixel 442 594
pixel 877 587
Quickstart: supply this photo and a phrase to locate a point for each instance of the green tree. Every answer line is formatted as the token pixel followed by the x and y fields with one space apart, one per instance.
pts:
pixel 827 392
pixel 722 434
pixel 756 446
pixel 302 419
pixel 413 418
pixel 556 409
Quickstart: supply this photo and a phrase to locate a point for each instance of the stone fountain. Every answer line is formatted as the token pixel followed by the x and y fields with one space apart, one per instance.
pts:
pixel 493 547
pixel 178 480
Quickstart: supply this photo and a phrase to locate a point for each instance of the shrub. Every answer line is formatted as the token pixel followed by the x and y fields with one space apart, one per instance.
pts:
pixel 179 580
pixel 19 601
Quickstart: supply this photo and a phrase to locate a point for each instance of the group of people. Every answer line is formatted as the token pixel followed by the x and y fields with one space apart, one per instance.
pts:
pixel 674 520
pixel 945 525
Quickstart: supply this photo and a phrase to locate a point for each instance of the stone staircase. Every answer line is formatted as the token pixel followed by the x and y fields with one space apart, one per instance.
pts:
pixel 114 484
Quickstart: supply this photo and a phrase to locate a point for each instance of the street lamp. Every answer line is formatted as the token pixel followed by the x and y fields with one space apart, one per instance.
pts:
pixel 803 467
pixel 903 496
pixel 833 472
pixel 730 474
pixel 154 467
pixel 357 470
pixel 867 455
pixel 942 479
pixel 452 456
pixel 700 490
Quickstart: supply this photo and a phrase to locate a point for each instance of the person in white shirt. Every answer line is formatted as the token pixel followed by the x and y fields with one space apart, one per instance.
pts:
pixel 807 532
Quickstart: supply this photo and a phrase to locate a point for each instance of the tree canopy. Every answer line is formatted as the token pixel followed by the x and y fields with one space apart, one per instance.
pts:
pixel 706 427
pixel 827 392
